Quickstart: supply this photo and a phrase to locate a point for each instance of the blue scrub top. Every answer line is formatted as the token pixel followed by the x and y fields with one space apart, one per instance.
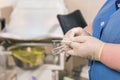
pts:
pixel 106 27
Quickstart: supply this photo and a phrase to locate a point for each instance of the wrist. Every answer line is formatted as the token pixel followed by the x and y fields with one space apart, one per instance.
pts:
pixel 97 55
pixel 100 52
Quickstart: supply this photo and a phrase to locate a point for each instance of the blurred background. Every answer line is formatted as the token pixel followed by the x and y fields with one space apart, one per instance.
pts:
pixel 84 5
pixel 31 20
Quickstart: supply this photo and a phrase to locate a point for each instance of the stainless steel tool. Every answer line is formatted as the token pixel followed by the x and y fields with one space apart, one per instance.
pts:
pixel 61 49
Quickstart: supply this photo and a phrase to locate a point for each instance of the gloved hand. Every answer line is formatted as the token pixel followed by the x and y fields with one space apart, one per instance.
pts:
pixel 86 47
pixel 78 31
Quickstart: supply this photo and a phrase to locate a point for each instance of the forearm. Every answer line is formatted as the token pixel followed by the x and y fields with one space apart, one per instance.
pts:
pixel 111 56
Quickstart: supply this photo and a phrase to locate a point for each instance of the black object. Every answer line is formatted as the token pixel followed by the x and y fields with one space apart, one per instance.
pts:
pixel 67 58
pixel 117 3
pixel 2 21
pixel 71 20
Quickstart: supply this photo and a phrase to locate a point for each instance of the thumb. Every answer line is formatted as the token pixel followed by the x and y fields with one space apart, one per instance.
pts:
pixel 79 39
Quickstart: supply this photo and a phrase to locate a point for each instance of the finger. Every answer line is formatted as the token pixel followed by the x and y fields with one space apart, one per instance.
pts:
pixel 80 39
pixel 78 31
pixel 74 45
pixel 70 52
pixel 65 42
pixel 73 32
pixel 69 34
pixel 67 48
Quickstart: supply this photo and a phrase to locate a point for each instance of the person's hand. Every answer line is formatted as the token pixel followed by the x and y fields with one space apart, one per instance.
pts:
pixel 78 31
pixel 86 47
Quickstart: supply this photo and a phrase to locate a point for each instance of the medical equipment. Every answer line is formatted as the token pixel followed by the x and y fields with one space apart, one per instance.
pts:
pixel 49 69
pixel 61 49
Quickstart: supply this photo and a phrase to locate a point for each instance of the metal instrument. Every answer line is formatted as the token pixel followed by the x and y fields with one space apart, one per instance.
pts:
pixel 61 49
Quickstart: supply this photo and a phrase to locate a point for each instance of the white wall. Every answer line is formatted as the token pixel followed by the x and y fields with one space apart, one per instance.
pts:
pixel 89 8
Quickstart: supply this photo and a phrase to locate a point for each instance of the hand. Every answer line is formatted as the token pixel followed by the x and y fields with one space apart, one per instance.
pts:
pixel 78 31
pixel 86 47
